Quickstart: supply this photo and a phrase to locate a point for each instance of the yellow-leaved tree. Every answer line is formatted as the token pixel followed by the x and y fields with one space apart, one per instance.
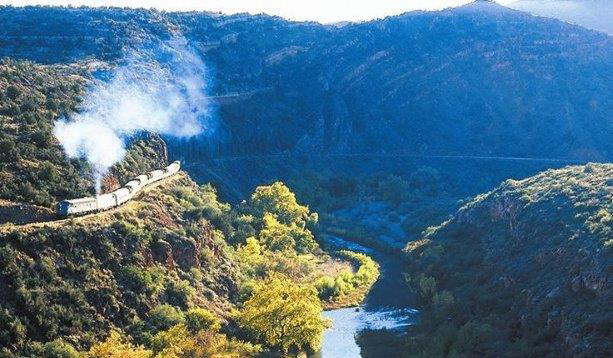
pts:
pixel 284 315
pixel 284 224
pixel 277 236
pixel 279 201
pixel 116 347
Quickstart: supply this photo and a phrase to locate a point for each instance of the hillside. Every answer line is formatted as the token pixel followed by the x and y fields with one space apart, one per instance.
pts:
pixel 476 80
pixel 33 166
pixel 78 279
pixel 522 270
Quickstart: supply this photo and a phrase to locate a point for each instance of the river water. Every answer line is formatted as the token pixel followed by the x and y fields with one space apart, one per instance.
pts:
pixel 385 309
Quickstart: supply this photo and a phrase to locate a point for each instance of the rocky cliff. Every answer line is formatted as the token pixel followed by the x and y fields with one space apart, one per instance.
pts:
pixel 525 267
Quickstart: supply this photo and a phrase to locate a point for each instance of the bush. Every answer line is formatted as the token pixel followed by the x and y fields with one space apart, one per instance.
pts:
pixel 145 280
pixel 163 317
pixel 199 319
pixel 179 293
pixel 60 349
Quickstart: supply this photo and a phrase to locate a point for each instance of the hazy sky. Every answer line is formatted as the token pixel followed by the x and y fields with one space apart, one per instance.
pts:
pixel 317 10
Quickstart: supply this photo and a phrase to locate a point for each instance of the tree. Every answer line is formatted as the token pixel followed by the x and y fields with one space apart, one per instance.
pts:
pixel 279 237
pixel 198 319
pixel 394 189
pixel 165 316
pixel 279 201
pixel 116 347
pixel 284 315
pixel 59 349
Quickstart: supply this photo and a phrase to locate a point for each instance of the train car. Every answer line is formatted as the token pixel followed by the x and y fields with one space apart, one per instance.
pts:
pixel 156 175
pixel 144 179
pixel 76 206
pixel 133 185
pixel 173 168
pixel 105 201
pixel 110 200
pixel 122 195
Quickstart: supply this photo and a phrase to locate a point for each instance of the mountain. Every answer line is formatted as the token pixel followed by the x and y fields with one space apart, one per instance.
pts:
pixel 522 270
pixel 592 14
pixel 480 79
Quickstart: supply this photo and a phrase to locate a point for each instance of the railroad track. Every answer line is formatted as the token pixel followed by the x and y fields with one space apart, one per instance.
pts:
pixel 392 155
pixel 78 219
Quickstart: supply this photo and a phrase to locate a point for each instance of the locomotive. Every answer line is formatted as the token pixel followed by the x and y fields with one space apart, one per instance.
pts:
pixel 111 200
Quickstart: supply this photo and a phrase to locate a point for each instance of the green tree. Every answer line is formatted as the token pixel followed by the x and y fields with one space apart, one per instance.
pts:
pixel 116 347
pixel 165 316
pixel 59 349
pixel 279 237
pixel 279 201
pixel 199 319
pixel 284 315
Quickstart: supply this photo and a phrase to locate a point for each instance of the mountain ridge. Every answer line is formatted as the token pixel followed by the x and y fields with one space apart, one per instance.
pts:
pixel 456 81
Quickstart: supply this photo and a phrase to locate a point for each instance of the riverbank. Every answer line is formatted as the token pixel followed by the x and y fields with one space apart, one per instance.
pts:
pixel 384 311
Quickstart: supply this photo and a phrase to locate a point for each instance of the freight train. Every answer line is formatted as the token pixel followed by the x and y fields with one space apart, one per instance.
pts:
pixel 111 200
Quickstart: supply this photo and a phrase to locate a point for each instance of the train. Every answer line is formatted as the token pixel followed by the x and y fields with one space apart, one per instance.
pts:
pixel 91 204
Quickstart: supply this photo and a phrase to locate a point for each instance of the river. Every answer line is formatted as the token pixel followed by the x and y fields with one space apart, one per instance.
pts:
pixel 385 310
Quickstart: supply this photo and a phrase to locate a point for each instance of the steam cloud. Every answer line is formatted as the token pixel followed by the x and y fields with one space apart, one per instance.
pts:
pixel 164 94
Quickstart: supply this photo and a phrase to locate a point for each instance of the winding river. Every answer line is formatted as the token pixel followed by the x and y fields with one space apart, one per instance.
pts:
pixel 385 309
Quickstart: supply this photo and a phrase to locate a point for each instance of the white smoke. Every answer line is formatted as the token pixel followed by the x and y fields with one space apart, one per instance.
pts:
pixel 163 94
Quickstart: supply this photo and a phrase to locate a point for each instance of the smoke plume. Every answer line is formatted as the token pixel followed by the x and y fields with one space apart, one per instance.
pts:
pixel 160 90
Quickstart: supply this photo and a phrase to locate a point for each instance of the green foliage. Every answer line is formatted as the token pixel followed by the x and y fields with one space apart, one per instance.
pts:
pixel 198 319
pixel 279 201
pixel 495 281
pixel 162 317
pixel 59 349
pixel 347 282
pixel 33 166
pixel 394 189
pixel 276 236
pixel 115 346
pixel 139 279
pixel 179 342
pixel 179 293
pixel 284 315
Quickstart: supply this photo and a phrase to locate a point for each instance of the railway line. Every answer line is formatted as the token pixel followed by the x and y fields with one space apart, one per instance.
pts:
pixel 393 155
pixel 58 221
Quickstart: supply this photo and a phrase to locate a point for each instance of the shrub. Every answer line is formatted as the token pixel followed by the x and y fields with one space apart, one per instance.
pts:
pixel 179 293
pixel 116 347
pixel 145 280
pixel 60 349
pixel 164 316
pixel 198 319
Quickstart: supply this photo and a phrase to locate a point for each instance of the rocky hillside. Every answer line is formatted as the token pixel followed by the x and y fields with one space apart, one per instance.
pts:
pixel 479 80
pixel 129 268
pixel 523 270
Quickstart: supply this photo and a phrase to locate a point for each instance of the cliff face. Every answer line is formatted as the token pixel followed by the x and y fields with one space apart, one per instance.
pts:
pixel 531 259
pixel 480 79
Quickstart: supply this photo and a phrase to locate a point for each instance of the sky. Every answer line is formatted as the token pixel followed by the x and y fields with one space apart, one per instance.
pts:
pixel 324 11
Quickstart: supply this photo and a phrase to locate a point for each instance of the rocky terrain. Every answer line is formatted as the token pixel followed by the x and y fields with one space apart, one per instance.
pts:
pixel 524 269
pixel 79 278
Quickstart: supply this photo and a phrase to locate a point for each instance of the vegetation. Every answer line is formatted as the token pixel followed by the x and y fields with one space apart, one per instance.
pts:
pixel 519 270
pixel 347 287
pixel 163 274
pixel 367 102
pixel 33 166
pixel 284 315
